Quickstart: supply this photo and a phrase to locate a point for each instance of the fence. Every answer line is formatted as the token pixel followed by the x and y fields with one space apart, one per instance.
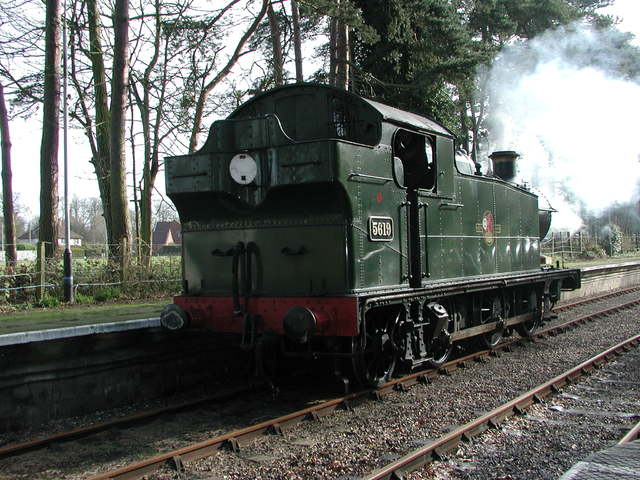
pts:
pixel 582 245
pixel 22 255
pixel 95 273
pixel 99 276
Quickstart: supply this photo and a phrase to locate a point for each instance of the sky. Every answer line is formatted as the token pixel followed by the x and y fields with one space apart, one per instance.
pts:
pixel 26 138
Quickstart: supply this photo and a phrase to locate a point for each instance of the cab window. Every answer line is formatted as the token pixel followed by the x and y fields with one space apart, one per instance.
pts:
pixel 418 156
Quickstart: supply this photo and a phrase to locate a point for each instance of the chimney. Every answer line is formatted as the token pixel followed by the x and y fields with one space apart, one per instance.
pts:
pixel 504 164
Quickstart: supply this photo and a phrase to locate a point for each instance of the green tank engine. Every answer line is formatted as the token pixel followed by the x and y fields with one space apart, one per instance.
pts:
pixel 344 227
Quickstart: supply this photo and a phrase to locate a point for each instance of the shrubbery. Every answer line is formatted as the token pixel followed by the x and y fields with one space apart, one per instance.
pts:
pixel 93 279
pixel 170 250
pixel 107 293
pixel 611 240
pixel 592 252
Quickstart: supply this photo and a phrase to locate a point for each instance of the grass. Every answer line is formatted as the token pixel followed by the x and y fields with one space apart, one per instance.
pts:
pixel 71 316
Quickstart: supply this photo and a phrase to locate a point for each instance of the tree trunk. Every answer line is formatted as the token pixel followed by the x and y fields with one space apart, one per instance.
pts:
pixel 145 216
pixel 119 205
pixel 343 55
pixel 50 132
pixel 339 61
pixel 136 200
pixel 276 44
pixel 101 159
pixel 7 188
pixel 464 121
pixel 333 36
pixel 297 42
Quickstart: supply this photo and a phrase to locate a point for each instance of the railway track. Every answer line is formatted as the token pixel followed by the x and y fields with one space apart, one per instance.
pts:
pixel 518 405
pixel 237 439
pixel 632 435
pixel 586 301
pixel 22 447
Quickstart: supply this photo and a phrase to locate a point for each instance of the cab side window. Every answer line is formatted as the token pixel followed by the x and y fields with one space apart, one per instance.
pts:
pixel 417 153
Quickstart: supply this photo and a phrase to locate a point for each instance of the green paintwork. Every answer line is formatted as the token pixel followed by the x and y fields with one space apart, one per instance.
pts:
pixel 325 166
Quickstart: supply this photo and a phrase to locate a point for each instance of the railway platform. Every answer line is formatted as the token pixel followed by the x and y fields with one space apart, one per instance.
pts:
pixel 621 461
pixel 76 321
pixel 69 361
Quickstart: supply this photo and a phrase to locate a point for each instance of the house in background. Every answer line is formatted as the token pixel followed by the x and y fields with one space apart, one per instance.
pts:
pixel 166 234
pixel 75 240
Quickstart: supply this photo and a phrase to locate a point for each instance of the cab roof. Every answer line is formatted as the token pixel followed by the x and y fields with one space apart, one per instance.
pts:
pixel 385 113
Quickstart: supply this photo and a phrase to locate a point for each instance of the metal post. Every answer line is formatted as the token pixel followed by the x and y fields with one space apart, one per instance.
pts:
pixel 580 243
pixel 42 264
pixel 124 260
pixel 68 272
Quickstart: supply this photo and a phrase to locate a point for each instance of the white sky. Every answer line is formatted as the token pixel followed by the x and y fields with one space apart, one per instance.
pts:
pixel 26 136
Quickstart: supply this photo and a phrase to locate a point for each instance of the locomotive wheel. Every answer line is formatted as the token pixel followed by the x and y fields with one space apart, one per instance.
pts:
pixel 376 349
pixel 528 328
pixel 441 347
pixel 441 351
pixel 491 311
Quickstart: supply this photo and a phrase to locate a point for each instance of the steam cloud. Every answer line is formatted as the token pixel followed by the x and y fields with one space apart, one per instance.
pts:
pixel 569 102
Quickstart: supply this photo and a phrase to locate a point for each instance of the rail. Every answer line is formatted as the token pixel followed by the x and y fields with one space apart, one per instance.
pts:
pixel 421 456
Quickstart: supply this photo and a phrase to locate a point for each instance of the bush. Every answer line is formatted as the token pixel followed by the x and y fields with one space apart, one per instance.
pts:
pixel 106 293
pixel 87 252
pixel 612 239
pixel 170 250
pixel 93 252
pixel 81 298
pixel 48 302
pixel 592 252
pixel 25 246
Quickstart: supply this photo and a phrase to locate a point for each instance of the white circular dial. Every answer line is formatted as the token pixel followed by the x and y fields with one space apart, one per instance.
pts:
pixel 243 168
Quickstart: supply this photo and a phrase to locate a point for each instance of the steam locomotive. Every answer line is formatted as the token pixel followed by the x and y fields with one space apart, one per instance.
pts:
pixel 340 227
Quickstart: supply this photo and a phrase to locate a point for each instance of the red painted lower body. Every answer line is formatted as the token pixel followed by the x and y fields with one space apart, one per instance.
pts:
pixel 337 316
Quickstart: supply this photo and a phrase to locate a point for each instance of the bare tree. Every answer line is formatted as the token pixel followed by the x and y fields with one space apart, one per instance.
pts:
pixel 22 54
pixel 87 219
pixel 88 74
pixel 100 148
pixel 48 231
pixel 150 89
pixel 7 188
pixel 164 211
pixel 208 85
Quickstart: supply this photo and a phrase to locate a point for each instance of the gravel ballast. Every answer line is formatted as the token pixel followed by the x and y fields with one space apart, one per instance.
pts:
pixel 552 436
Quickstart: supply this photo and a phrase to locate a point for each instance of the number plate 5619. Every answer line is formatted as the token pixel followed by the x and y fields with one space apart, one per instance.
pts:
pixel 380 229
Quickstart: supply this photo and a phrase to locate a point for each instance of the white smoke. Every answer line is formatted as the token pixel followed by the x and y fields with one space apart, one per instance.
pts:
pixel 568 102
